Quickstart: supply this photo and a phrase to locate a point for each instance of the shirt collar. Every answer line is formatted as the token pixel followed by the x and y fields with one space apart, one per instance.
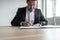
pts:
pixel 29 11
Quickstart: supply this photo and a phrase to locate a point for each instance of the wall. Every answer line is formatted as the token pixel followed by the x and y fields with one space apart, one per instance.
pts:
pixel 8 10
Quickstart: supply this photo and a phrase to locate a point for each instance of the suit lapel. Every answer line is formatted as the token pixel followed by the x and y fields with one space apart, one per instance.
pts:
pixel 35 16
pixel 24 14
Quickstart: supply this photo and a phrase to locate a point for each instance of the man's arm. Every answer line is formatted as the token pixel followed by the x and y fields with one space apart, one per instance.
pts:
pixel 16 21
pixel 43 21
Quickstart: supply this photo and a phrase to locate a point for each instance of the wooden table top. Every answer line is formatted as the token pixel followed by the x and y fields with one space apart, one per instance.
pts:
pixel 15 33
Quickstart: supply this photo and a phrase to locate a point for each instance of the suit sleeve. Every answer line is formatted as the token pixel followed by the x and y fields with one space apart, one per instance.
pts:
pixel 16 21
pixel 43 21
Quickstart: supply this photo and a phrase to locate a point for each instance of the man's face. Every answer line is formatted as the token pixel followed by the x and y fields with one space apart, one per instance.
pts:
pixel 31 5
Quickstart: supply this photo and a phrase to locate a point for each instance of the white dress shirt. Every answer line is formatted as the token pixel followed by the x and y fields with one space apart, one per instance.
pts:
pixel 29 16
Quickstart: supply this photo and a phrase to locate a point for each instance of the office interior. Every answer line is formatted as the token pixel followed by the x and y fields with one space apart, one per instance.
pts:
pixel 49 8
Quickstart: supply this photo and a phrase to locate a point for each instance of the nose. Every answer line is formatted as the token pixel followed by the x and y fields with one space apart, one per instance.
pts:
pixel 32 6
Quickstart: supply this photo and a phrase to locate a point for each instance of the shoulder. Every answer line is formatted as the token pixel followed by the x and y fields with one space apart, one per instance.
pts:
pixel 22 8
pixel 38 9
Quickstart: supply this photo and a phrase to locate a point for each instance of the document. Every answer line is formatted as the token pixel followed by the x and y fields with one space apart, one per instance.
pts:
pixel 30 27
pixel 34 27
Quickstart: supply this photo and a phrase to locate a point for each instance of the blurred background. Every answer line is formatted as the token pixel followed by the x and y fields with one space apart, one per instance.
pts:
pixel 49 8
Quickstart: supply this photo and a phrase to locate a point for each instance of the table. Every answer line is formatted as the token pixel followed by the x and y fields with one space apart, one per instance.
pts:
pixel 15 33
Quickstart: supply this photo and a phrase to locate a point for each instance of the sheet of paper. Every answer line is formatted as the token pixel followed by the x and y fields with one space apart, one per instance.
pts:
pixel 52 26
pixel 30 27
pixel 47 26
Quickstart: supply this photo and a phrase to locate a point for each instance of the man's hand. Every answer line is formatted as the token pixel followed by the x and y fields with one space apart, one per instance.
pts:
pixel 38 24
pixel 26 23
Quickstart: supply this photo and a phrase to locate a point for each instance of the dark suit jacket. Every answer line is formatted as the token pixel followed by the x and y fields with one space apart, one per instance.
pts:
pixel 21 14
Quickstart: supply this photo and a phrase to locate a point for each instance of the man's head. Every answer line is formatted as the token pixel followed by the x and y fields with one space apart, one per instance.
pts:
pixel 31 4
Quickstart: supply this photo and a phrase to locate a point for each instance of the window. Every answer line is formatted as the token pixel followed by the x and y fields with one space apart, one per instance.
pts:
pixel 57 8
pixel 49 8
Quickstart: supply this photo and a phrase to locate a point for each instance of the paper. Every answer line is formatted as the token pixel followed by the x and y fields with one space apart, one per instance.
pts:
pixel 30 27
pixel 47 26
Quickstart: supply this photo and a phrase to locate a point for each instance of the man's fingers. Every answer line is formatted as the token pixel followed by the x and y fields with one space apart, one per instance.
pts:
pixel 37 25
pixel 26 23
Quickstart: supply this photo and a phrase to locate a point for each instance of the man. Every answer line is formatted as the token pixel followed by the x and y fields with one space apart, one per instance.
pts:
pixel 29 15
